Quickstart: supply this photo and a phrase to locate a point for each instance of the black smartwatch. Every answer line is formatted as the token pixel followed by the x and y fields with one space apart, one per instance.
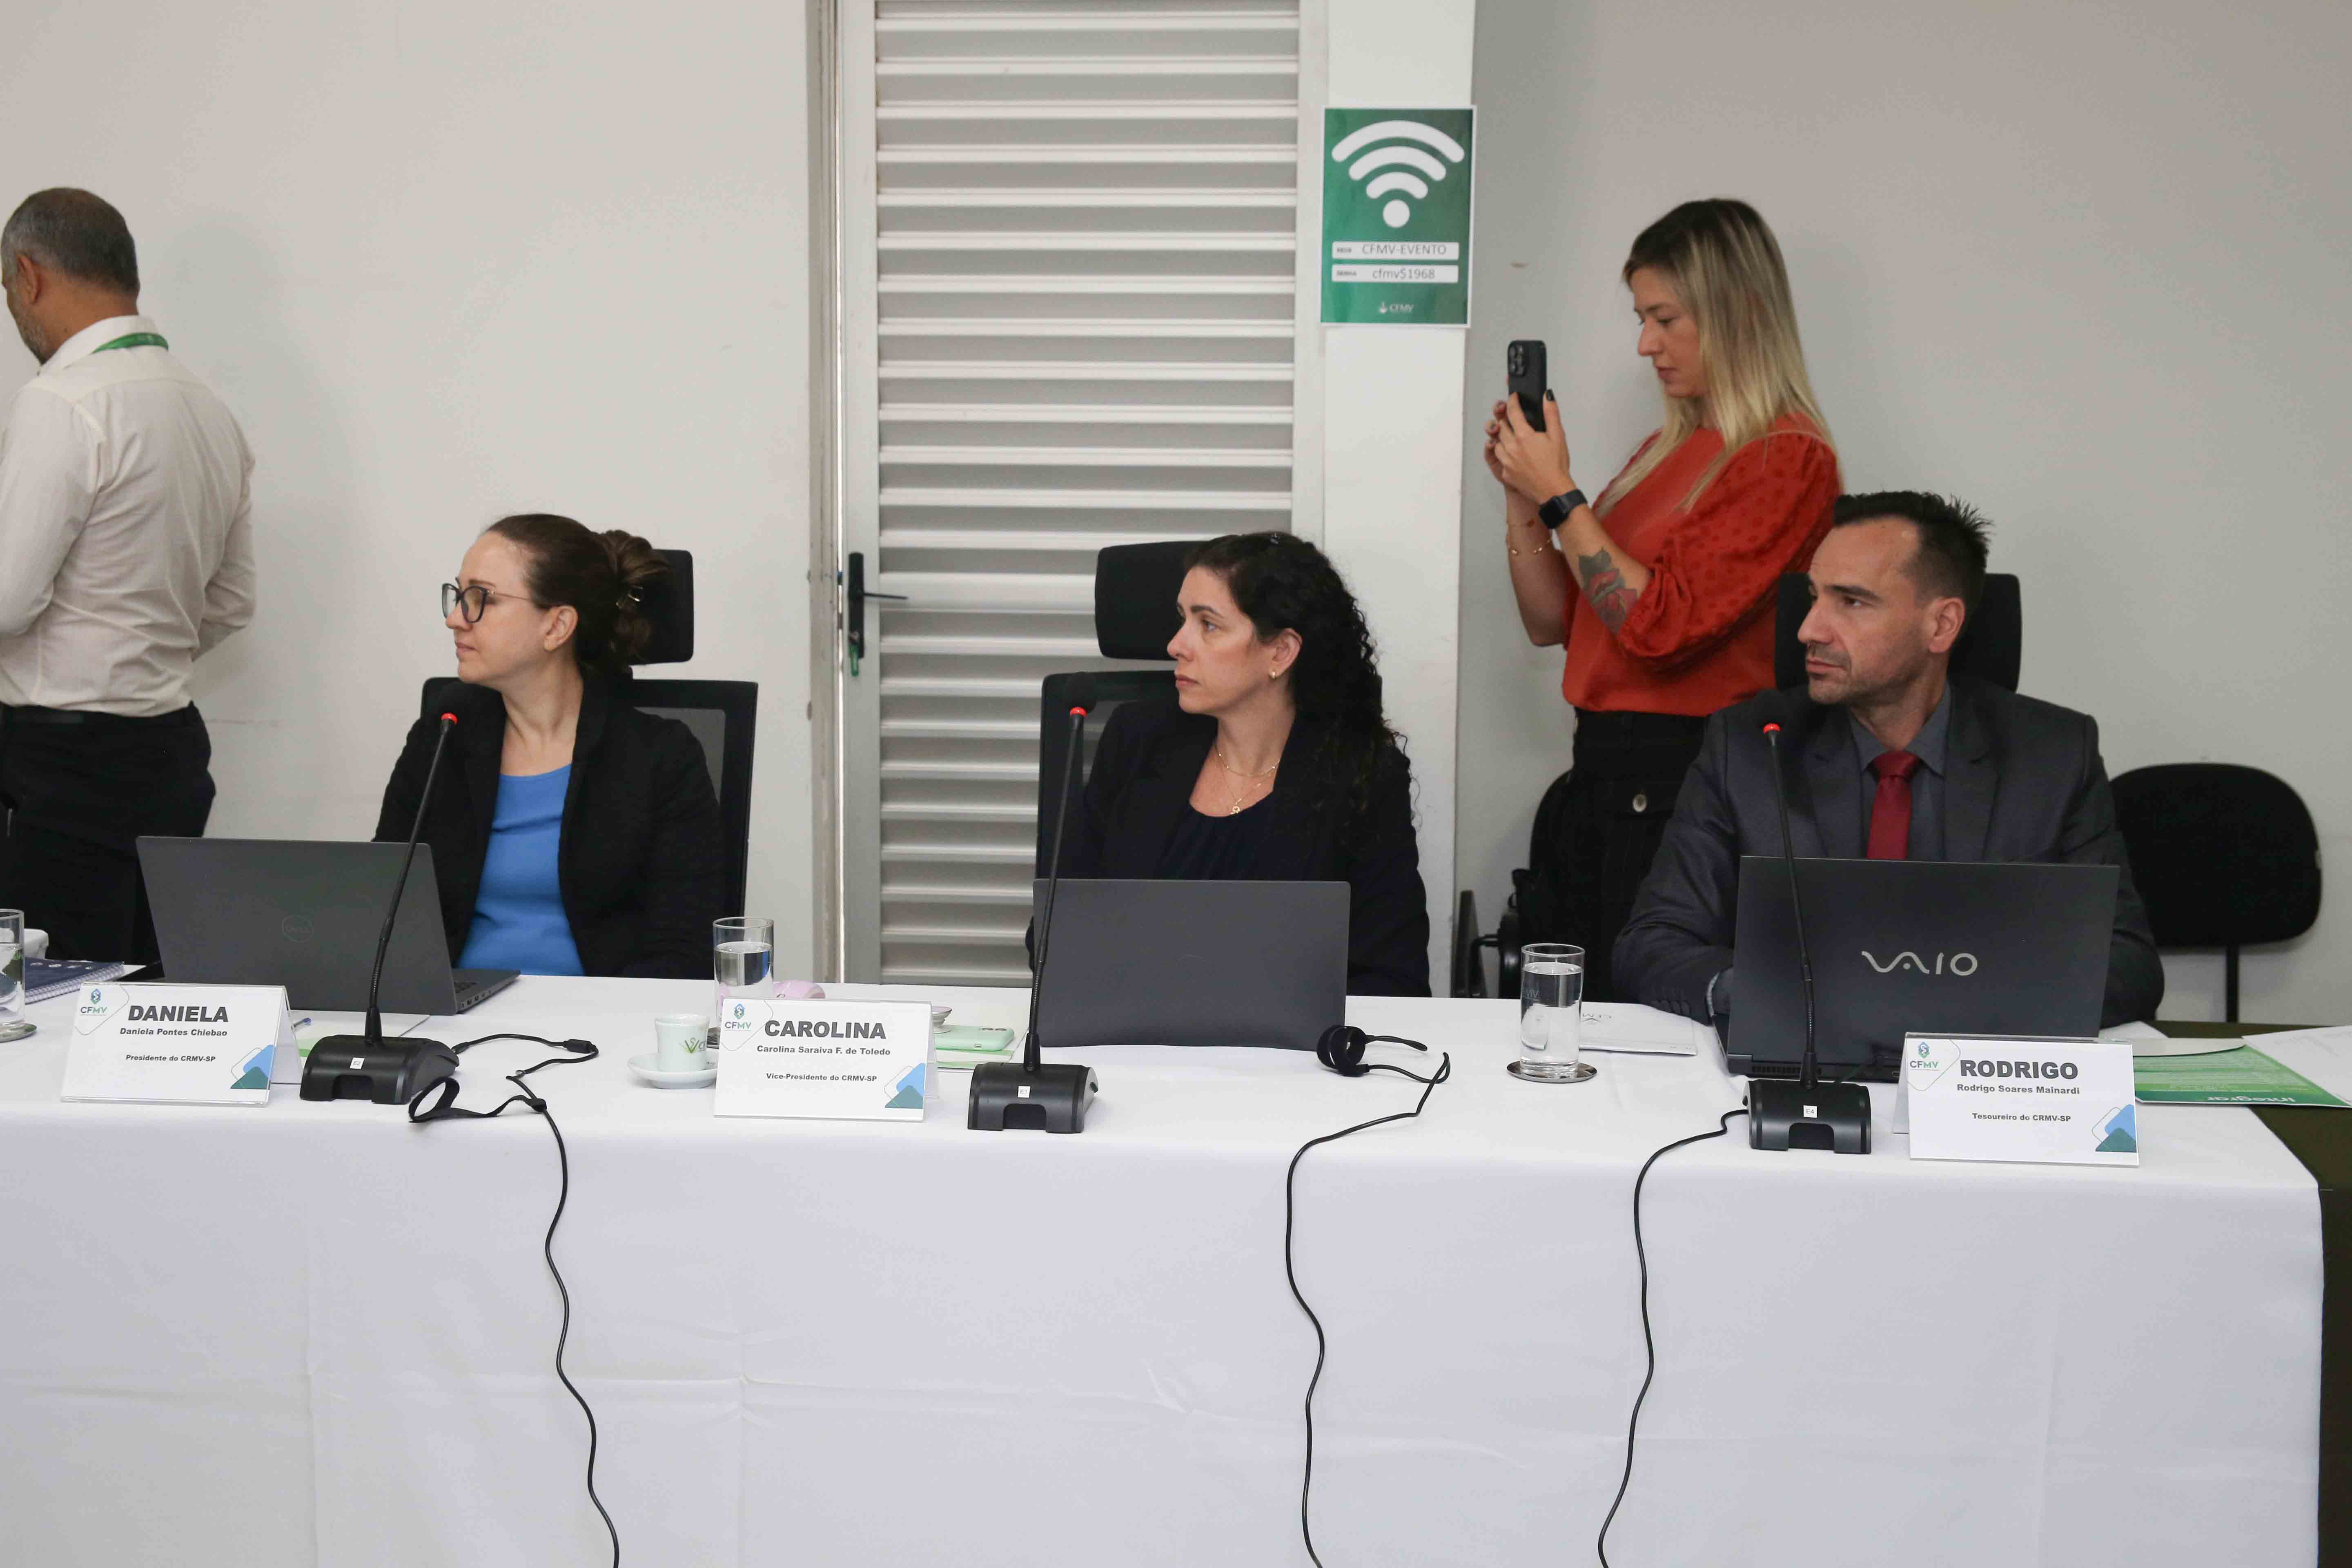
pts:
pixel 1555 511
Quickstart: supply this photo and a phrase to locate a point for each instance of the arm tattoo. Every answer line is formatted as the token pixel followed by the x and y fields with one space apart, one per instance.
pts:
pixel 1604 586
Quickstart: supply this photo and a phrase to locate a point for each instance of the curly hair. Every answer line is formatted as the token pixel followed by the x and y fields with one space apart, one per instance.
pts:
pixel 1284 583
pixel 602 577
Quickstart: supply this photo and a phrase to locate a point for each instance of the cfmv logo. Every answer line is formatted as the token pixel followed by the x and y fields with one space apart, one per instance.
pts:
pixel 1962 963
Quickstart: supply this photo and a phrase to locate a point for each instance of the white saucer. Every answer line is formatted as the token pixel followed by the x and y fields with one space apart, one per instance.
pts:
pixel 647 1073
pixel 2141 1049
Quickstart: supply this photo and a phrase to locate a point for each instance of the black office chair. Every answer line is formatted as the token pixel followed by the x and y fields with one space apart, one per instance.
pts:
pixel 1135 617
pixel 2223 855
pixel 1990 649
pixel 723 714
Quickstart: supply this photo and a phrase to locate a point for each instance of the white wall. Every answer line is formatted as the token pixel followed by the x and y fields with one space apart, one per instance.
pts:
pixel 448 260
pixel 2083 265
pixel 1392 411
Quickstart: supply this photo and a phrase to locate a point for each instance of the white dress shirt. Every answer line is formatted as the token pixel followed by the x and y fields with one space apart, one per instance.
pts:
pixel 126 539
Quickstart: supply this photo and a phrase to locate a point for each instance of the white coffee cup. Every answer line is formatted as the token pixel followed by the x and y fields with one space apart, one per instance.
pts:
pixel 679 1040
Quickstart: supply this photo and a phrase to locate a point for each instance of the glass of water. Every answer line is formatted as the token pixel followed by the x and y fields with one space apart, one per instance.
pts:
pixel 1551 1013
pixel 742 960
pixel 13 1025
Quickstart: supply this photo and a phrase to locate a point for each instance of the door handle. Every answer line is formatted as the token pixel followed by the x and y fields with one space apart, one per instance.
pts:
pixel 854 581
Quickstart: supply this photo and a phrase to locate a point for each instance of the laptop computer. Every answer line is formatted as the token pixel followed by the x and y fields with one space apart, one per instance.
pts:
pixel 1193 963
pixel 1914 946
pixel 305 914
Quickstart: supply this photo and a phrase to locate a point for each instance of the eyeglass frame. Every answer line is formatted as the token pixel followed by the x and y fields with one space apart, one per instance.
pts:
pixel 454 597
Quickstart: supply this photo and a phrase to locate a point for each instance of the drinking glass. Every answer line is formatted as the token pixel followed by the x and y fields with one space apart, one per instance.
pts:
pixel 742 960
pixel 13 1025
pixel 1551 1013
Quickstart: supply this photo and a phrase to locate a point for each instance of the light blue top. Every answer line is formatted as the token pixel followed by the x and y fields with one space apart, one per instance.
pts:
pixel 519 920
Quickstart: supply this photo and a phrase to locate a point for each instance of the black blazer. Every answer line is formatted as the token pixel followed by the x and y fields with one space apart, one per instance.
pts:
pixel 1145 767
pixel 640 861
pixel 2023 780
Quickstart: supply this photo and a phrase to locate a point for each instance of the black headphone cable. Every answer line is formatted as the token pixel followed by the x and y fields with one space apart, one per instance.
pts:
pixel 577 1051
pixel 1289 1268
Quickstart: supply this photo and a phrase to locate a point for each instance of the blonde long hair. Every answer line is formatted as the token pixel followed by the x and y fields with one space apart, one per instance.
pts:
pixel 1724 264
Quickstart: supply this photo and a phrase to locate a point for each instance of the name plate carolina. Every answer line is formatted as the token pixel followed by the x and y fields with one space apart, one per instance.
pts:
pixel 866 1062
pixel 2039 1102
pixel 184 1045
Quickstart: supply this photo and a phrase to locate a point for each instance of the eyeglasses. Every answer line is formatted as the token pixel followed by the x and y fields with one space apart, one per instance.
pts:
pixel 474 599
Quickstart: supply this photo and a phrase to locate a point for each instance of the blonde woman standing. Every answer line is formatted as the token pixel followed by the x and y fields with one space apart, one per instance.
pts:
pixel 1662 588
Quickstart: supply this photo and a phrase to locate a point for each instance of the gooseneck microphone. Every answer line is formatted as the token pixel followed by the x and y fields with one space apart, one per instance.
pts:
pixel 1030 1093
pixel 366 1065
pixel 1807 1113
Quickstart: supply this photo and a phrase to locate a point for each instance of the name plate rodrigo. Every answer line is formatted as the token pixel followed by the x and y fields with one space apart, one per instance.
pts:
pixel 2038 1101
pixel 866 1061
pixel 183 1045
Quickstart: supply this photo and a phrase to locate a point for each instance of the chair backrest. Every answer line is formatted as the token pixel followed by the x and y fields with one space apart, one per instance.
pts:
pixel 668 604
pixel 724 716
pixel 1100 693
pixel 1135 596
pixel 1991 646
pixel 2222 855
pixel 1135 617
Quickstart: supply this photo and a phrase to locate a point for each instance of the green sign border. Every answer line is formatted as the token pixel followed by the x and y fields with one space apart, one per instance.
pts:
pixel 1443 216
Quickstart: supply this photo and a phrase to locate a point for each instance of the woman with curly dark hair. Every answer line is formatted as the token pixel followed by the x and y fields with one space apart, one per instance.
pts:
pixel 1274 761
pixel 572 833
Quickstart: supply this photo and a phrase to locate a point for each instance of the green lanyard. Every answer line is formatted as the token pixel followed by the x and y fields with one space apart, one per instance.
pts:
pixel 134 341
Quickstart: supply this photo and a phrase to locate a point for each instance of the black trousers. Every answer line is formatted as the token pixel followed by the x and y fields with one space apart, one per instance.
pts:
pixel 80 789
pixel 1598 831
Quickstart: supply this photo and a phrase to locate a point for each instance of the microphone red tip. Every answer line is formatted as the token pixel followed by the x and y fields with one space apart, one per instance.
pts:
pixel 449 717
pixel 1771 729
pixel 1079 712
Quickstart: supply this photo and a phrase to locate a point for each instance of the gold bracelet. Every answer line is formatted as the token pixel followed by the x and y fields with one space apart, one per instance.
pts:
pixel 1545 548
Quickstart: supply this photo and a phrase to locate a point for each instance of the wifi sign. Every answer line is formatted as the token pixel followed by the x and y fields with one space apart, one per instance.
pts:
pixel 1388 143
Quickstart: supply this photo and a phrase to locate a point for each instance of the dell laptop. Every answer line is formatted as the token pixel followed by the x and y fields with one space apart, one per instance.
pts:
pixel 305 914
pixel 1192 964
pixel 1918 947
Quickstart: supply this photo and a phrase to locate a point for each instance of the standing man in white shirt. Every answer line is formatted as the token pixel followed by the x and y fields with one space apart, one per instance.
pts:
pixel 126 552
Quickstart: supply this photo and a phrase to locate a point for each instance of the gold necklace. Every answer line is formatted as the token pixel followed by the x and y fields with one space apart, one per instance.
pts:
pixel 1241 798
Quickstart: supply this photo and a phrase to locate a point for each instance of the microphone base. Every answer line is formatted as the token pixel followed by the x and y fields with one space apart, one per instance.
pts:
pixel 1833 1117
pixel 389 1072
pixel 1052 1099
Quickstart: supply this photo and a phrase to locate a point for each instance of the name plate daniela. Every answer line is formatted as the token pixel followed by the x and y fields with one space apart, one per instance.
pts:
pixel 866 1062
pixel 184 1045
pixel 2040 1102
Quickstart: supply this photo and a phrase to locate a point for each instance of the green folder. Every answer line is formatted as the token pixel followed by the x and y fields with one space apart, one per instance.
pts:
pixel 2241 1077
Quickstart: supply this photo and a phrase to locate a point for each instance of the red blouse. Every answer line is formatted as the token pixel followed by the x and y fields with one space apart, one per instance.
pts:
pixel 1700 636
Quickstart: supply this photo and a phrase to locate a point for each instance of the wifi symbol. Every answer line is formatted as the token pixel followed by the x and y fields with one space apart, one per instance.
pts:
pixel 1397 213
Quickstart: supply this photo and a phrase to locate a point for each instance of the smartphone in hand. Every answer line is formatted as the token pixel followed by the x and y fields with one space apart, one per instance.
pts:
pixel 1523 363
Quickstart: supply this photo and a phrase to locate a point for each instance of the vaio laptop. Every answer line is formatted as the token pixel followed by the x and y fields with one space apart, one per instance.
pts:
pixel 1912 946
pixel 1192 964
pixel 305 914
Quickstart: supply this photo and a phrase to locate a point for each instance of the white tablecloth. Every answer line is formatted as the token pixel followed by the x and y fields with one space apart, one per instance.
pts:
pixel 316 1335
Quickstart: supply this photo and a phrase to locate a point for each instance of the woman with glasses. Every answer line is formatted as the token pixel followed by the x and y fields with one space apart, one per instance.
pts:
pixel 572 833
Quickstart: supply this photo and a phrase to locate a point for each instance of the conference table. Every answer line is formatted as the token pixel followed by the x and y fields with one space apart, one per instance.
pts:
pixel 313 1333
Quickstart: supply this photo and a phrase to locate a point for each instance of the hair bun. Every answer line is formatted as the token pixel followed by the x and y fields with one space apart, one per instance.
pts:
pixel 602 577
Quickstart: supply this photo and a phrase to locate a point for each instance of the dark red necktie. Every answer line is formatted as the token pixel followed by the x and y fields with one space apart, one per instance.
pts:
pixel 1890 813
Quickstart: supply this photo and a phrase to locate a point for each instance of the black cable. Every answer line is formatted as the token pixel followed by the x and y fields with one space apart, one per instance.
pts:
pixel 1649 1345
pixel 577 1051
pixel 1289 1224
pixel 563 1334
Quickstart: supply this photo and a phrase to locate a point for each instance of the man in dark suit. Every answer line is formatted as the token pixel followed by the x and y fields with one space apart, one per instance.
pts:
pixel 1889 756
